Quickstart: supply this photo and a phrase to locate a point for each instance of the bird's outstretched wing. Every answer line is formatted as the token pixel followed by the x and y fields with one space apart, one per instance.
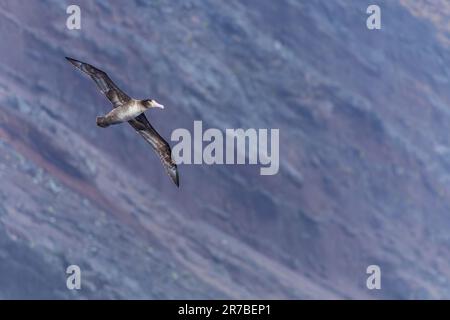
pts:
pixel 162 148
pixel 104 83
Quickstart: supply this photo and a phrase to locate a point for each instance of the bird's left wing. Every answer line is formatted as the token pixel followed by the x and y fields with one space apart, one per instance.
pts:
pixel 103 81
pixel 161 147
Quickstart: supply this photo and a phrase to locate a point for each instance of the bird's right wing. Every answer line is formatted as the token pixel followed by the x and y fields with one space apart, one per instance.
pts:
pixel 104 83
pixel 161 147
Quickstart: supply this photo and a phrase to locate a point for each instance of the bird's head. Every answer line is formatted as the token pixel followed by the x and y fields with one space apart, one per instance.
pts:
pixel 150 103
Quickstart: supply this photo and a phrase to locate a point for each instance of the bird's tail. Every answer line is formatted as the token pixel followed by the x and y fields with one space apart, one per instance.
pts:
pixel 102 122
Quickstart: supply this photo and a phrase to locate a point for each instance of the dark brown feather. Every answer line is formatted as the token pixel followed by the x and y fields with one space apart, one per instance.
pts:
pixel 162 148
pixel 104 83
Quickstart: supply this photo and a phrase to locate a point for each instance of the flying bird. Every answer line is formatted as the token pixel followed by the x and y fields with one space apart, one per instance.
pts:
pixel 132 111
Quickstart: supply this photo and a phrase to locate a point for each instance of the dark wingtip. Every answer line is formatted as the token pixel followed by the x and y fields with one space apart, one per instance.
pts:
pixel 75 62
pixel 174 176
pixel 177 180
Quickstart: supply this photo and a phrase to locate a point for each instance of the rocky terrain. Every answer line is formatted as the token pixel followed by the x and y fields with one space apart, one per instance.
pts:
pixel 364 119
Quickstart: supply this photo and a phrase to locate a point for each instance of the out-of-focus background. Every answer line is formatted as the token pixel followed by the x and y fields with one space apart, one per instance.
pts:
pixel 364 119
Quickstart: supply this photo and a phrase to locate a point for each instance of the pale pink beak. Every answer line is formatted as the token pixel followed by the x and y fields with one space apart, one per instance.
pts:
pixel 157 105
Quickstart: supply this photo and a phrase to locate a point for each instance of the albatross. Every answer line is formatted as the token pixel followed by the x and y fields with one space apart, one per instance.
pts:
pixel 126 109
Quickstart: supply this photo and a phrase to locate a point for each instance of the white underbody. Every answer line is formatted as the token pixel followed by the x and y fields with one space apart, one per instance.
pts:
pixel 126 112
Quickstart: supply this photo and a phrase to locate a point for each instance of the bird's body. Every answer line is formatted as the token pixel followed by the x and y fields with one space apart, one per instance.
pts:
pixel 126 109
pixel 125 112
